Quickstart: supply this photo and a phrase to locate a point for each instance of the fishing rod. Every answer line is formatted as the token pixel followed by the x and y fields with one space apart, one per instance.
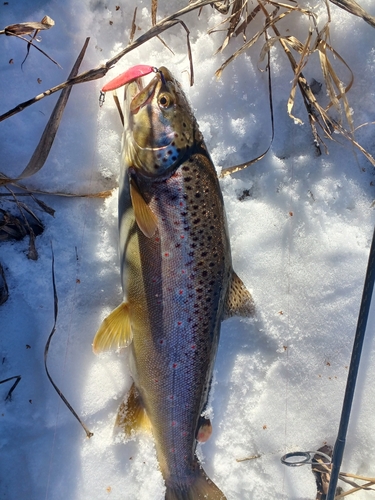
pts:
pixel 298 458
pixel 338 450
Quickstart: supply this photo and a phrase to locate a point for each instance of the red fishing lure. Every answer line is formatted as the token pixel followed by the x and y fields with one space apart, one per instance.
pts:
pixel 128 76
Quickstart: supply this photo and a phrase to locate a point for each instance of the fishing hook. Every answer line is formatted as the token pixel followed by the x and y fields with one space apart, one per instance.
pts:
pixel 101 98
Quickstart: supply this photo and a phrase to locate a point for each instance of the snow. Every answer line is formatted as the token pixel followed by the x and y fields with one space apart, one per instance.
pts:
pixel 300 242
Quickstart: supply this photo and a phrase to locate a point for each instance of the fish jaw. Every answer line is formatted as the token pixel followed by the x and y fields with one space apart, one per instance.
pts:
pixel 160 129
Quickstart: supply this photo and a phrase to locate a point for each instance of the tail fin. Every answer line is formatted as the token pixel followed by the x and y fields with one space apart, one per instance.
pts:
pixel 199 487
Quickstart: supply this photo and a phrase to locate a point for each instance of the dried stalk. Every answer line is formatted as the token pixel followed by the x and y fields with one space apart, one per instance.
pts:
pixel 354 8
pixel 43 148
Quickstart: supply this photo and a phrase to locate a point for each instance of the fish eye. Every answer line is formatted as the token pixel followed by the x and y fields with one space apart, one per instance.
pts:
pixel 165 100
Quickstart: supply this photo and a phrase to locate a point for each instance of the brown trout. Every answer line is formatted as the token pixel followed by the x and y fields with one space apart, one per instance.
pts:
pixel 177 279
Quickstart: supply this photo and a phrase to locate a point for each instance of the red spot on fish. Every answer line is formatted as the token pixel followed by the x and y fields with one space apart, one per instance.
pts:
pixel 183 271
pixel 184 434
pixel 173 450
pixel 174 365
pixel 179 323
pixel 193 346
pixel 166 254
pixel 181 292
pixel 181 203
pixel 156 380
pixel 174 423
pixel 161 341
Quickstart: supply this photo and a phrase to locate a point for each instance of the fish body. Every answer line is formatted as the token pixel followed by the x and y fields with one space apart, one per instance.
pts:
pixel 177 279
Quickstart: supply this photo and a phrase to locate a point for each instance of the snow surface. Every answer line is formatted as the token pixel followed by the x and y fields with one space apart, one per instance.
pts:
pixel 300 241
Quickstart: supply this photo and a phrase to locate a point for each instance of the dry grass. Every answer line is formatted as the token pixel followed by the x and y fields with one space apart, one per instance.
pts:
pixel 266 16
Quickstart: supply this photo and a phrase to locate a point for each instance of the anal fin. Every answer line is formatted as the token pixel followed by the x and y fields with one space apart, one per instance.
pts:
pixel 115 330
pixel 239 301
pixel 131 415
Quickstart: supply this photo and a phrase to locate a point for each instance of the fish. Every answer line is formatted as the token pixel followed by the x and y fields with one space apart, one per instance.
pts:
pixel 177 278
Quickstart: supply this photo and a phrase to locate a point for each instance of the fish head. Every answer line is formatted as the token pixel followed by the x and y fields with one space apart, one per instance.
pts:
pixel 159 125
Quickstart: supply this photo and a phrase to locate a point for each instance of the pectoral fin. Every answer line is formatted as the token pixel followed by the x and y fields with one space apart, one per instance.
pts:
pixel 131 415
pixel 239 300
pixel 146 219
pixel 115 331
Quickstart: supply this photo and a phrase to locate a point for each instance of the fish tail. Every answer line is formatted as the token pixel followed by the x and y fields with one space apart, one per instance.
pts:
pixel 200 487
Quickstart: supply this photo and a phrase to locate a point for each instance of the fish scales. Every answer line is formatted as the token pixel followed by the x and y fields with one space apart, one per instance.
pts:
pixel 173 360
pixel 177 278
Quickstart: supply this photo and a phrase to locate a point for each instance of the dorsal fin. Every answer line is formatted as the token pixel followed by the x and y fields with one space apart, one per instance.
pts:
pixel 115 331
pixel 239 300
pixel 146 219
pixel 131 415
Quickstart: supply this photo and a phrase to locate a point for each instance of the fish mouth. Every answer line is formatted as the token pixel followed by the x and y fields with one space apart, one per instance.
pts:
pixel 138 94
pixel 144 131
